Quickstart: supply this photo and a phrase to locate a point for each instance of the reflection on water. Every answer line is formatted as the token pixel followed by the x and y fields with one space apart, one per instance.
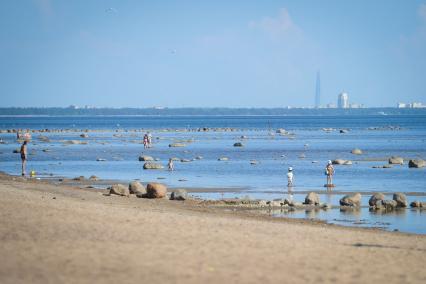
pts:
pixel 404 220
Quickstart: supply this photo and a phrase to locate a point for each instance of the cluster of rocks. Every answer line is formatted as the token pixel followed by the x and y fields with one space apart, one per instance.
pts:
pixel 378 202
pixel 152 190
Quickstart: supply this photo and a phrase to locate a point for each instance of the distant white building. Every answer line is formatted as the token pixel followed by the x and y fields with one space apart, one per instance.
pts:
pixel 412 105
pixel 343 100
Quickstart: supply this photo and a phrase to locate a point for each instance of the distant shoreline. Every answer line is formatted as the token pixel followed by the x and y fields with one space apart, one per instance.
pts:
pixel 195 112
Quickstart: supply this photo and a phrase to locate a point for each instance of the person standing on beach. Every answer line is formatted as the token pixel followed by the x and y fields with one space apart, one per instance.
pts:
pixel 24 155
pixel 290 177
pixel 329 172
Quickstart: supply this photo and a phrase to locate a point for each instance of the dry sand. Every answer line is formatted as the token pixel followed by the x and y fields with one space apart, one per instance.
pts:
pixel 61 234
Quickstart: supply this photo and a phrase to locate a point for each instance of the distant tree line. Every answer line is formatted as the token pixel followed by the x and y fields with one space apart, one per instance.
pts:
pixel 56 111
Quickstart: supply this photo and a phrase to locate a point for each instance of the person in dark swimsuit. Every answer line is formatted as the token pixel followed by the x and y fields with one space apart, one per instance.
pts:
pixel 24 156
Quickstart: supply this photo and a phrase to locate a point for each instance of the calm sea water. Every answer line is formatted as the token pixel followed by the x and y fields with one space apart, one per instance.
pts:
pixel 307 149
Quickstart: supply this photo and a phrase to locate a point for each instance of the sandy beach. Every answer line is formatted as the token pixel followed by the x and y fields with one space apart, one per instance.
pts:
pixel 64 234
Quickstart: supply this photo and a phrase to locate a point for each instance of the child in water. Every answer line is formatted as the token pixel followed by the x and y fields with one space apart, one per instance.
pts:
pixel 290 177
pixel 171 165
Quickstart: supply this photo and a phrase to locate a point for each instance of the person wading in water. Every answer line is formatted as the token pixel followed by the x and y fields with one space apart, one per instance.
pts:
pixel 329 172
pixel 24 156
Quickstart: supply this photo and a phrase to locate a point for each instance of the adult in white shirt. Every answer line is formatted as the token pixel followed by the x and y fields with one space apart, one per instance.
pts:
pixel 290 176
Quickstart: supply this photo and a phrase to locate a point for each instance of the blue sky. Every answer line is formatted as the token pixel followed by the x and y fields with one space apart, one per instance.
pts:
pixel 211 53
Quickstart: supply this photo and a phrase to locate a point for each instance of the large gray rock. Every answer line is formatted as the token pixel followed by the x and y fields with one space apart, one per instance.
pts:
pixel 156 190
pixel 396 160
pixel 356 151
pixel 417 163
pixel 179 194
pixel 119 189
pixel 376 197
pixel 136 187
pixel 152 166
pixel 400 199
pixel 312 199
pixel 353 200
pixel 341 162
pixel 389 204
pixel 145 158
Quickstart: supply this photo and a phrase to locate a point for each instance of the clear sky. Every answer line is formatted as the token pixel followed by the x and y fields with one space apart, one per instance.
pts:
pixel 211 53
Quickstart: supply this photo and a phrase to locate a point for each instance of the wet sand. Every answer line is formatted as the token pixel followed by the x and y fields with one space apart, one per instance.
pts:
pixel 63 234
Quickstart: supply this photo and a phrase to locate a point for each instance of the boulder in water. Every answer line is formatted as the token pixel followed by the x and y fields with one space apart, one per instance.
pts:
pixel 376 197
pixel 238 144
pixel 353 200
pixel 177 145
pixel 152 166
pixel 400 199
pixel 341 162
pixel 312 199
pixel 145 158
pixel 396 160
pixel 417 163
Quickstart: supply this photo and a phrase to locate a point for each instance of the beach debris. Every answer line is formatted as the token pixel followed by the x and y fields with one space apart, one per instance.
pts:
pixel 119 189
pixel 253 162
pixel 238 144
pixel 152 166
pixel 156 190
pixel 179 194
pixel 312 199
pixel 376 197
pixel 177 145
pixel 341 162
pixel 396 160
pixel 185 160
pixel 101 160
pixel 356 151
pixel 223 159
pixel 353 200
pixel 145 158
pixel 417 163
pixel 136 187
pixel 84 135
pixel 400 199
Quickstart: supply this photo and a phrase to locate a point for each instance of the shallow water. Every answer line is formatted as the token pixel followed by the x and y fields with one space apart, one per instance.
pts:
pixel 273 152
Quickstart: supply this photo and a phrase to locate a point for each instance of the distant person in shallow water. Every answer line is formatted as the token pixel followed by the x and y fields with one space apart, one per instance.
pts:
pixel 24 155
pixel 329 172
pixel 171 165
pixel 290 177
pixel 145 141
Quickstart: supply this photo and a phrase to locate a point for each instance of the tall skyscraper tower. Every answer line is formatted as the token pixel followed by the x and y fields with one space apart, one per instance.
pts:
pixel 318 91
pixel 343 100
